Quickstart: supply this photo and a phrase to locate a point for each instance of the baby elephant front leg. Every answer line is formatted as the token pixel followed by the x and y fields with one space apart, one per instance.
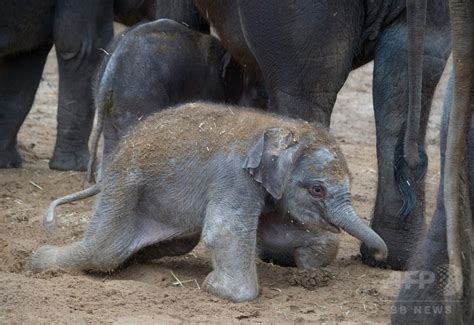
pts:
pixel 230 234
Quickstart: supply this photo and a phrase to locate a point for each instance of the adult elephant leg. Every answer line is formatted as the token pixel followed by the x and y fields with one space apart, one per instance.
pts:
pixel 305 52
pixel 398 214
pixel 431 261
pixel 20 75
pixel 81 30
pixel 431 258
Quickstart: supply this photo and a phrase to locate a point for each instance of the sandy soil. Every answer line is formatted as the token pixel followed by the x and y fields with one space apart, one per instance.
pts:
pixel 345 292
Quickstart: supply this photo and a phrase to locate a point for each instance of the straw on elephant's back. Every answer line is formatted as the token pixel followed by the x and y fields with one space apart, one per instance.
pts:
pixel 200 131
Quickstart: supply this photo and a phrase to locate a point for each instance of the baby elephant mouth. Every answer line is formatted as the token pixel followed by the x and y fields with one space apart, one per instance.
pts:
pixel 319 224
pixel 329 226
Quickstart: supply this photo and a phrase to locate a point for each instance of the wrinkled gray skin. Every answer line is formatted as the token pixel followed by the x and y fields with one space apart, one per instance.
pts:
pixel 158 65
pixel 159 199
pixel 78 30
pixel 305 51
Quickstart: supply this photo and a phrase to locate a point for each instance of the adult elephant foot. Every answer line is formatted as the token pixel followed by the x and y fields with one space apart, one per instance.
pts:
pixel 401 244
pixel 398 213
pixel 399 205
pixel 76 160
pixel 10 159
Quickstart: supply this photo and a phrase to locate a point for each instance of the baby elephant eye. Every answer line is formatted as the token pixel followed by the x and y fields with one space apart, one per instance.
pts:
pixel 317 191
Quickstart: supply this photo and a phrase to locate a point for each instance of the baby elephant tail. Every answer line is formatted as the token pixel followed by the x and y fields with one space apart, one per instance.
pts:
pixel 49 220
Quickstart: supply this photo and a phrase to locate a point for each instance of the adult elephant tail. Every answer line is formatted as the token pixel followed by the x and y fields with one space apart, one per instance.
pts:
pixel 416 19
pixel 459 231
pixel 412 162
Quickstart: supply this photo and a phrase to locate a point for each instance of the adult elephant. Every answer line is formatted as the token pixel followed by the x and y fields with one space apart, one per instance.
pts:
pixel 131 12
pixel 78 30
pixel 439 286
pixel 28 30
pixel 305 51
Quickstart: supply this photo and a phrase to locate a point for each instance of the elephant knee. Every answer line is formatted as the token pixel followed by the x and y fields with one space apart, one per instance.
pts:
pixel 209 238
pixel 81 28
pixel 215 230
pixel 70 48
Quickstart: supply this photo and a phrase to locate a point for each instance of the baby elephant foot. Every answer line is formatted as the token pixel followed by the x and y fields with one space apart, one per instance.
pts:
pixel 44 258
pixel 10 159
pixel 319 254
pixel 69 160
pixel 231 288
pixel 310 258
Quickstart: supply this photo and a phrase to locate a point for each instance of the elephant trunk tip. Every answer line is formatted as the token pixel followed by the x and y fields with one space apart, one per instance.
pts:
pixel 348 220
pixel 382 253
pixel 376 243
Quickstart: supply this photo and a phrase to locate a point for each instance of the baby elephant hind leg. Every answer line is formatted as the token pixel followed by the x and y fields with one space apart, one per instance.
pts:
pixel 231 234
pixel 115 232
pixel 107 243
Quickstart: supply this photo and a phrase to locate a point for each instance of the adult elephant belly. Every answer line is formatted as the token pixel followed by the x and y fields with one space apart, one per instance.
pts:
pixel 305 51
pixel 225 21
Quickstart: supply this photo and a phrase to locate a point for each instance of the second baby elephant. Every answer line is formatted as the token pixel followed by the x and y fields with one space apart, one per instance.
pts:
pixel 161 64
pixel 217 173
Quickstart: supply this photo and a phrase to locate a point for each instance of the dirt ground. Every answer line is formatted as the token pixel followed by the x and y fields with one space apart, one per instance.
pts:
pixel 345 292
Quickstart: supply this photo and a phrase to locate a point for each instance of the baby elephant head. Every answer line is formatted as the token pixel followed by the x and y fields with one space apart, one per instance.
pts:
pixel 310 180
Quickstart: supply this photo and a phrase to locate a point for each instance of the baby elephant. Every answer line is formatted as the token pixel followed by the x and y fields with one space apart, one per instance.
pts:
pixel 215 172
pixel 161 64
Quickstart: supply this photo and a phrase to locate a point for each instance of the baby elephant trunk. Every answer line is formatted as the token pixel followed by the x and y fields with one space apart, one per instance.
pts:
pixel 346 218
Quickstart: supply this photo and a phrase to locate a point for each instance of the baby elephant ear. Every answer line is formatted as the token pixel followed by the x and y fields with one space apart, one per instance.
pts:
pixel 271 159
